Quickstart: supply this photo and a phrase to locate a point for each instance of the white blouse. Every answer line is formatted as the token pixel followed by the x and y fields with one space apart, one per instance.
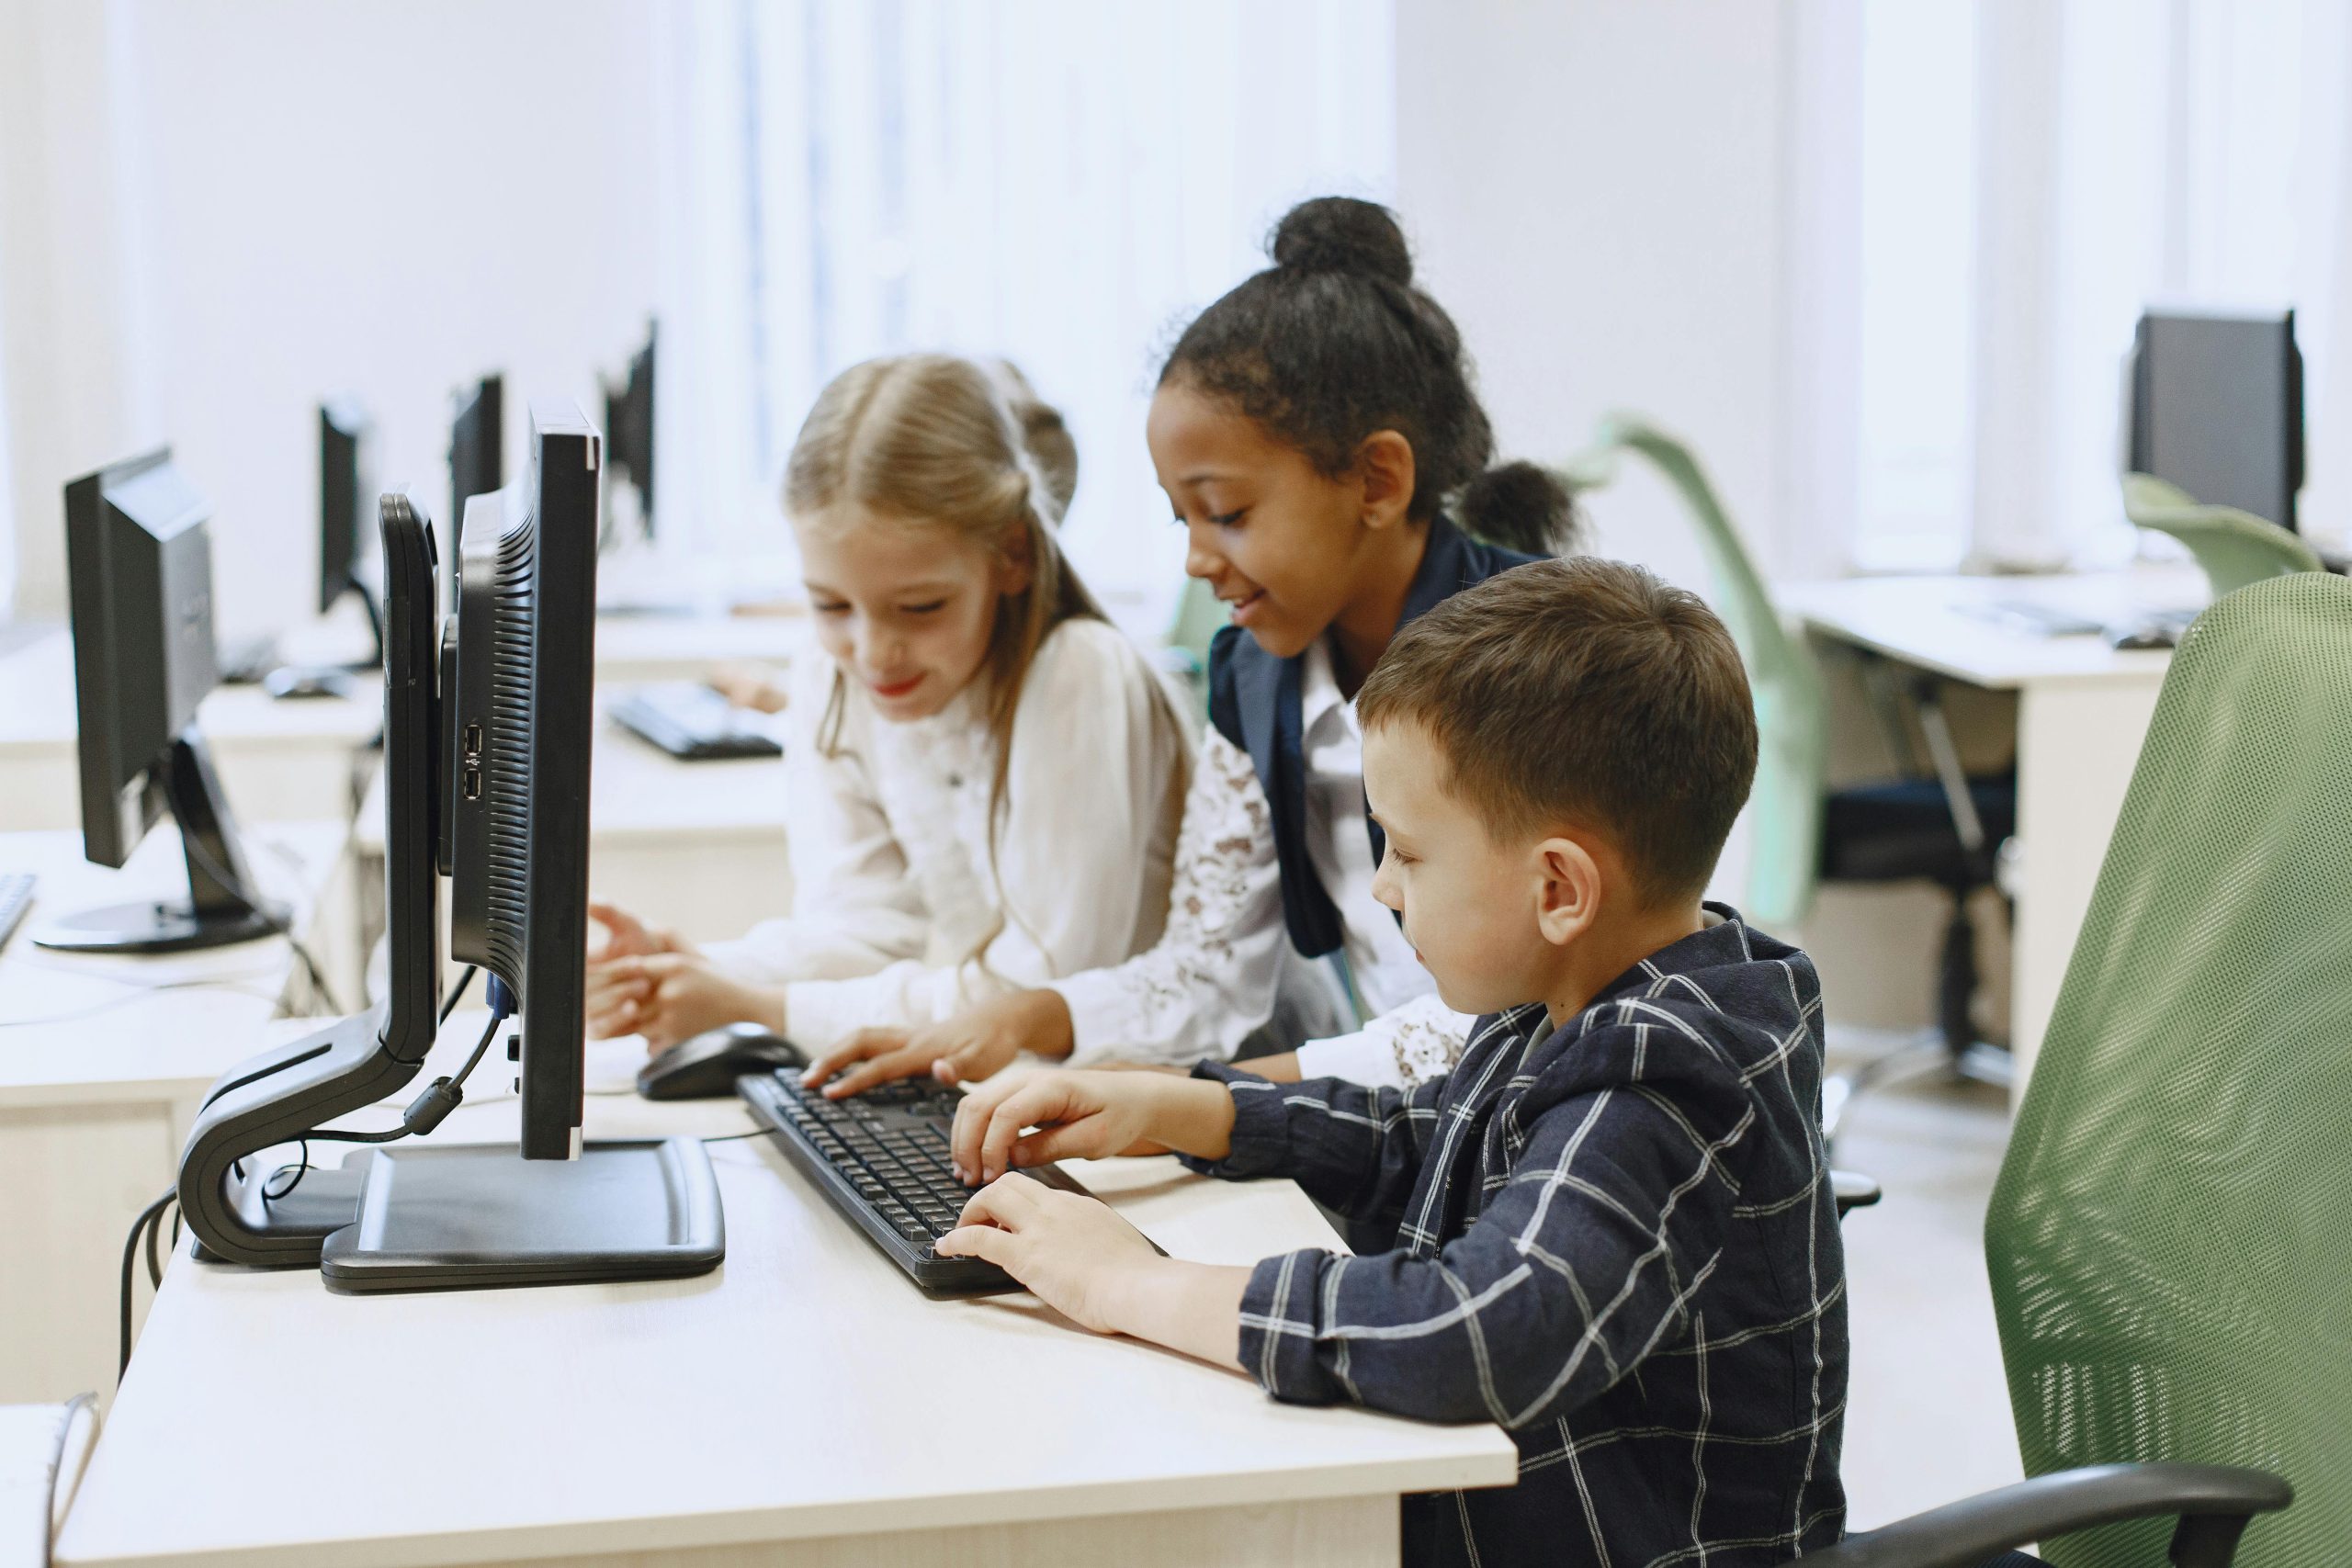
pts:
pixel 908 916
pixel 1211 979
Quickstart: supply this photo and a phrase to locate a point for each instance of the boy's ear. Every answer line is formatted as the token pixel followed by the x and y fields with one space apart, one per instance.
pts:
pixel 1384 466
pixel 1567 897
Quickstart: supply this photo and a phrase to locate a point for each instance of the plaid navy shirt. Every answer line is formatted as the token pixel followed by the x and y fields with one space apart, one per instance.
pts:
pixel 1615 1239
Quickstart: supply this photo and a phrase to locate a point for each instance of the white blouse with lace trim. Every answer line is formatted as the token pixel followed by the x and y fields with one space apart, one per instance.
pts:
pixel 1210 980
pixel 903 917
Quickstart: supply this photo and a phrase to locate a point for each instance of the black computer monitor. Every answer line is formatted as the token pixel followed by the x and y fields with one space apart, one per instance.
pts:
pixel 2217 409
pixel 346 512
pixel 486 748
pixel 139 563
pixel 477 455
pixel 629 419
pixel 520 719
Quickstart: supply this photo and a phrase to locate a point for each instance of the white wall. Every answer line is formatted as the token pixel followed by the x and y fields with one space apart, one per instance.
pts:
pixel 383 197
pixel 1603 196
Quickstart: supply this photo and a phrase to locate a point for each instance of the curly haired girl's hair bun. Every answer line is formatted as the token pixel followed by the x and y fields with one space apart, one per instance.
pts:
pixel 1339 233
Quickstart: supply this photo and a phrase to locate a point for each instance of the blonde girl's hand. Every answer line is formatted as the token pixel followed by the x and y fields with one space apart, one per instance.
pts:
pixel 749 686
pixel 978 1043
pixel 625 936
pixel 670 997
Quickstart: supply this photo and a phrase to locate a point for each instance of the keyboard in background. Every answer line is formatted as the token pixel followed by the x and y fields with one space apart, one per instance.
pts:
pixel 882 1159
pixel 247 662
pixel 16 897
pixel 691 722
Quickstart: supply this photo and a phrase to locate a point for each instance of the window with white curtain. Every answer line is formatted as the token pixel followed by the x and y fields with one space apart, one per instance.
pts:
pixel 1060 183
pixel 1918 214
pixel 2034 174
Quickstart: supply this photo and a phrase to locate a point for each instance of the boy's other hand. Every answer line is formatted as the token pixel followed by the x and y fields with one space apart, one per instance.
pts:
pixel 1072 1252
pixel 670 997
pixel 1087 1115
pixel 978 1043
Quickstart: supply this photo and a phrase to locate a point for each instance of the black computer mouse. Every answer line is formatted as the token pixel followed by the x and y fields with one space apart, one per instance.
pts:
pixel 706 1067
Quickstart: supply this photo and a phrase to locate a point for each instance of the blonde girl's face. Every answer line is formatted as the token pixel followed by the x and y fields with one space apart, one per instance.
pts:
pixel 905 609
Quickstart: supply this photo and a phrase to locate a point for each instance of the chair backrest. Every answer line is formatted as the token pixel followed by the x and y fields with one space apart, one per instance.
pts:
pixel 1784 808
pixel 2170 1241
pixel 2234 547
pixel 1198 616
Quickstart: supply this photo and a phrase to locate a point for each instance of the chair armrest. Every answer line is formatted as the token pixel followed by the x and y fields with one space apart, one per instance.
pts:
pixel 1853 1191
pixel 2214 1502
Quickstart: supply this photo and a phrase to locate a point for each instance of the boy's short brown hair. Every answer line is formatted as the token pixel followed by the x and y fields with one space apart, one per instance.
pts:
pixel 1585 692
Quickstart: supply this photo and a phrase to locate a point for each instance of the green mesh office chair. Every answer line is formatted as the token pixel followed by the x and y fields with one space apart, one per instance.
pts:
pixel 2234 547
pixel 1186 653
pixel 1933 823
pixel 2170 1241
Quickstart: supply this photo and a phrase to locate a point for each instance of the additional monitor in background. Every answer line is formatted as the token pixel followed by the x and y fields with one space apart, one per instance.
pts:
pixel 139 563
pixel 477 457
pixel 2217 409
pixel 347 492
pixel 522 719
pixel 346 510
pixel 511 690
pixel 629 422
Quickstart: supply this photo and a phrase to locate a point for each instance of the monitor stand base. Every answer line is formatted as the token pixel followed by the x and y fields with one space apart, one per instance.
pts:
pixel 465 1217
pixel 159 926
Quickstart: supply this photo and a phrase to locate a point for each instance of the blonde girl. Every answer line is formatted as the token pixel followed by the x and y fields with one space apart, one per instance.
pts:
pixel 984 776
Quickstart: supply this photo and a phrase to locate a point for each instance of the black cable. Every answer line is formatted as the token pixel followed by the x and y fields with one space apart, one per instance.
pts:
pixel 456 994
pixel 147 1216
pixel 284 928
pixel 300 1171
pixel 427 1111
pixel 737 1137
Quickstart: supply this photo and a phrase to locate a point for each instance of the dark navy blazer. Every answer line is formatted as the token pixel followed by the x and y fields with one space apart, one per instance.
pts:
pixel 1254 703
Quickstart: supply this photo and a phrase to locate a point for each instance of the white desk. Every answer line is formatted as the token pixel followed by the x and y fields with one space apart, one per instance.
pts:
pixel 803 1405
pixel 103 1061
pixel 687 648
pixel 288 761
pixel 698 847
pixel 2083 710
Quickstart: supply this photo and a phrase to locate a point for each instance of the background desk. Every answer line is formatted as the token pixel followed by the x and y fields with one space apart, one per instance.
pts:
pixel 804 1405
pixel 103 1061
pixel 687 648
pixel 698 847
pixel 2083 710
pixel 289 761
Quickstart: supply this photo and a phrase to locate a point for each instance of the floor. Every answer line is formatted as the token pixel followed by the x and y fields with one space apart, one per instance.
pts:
pixel 1928 1413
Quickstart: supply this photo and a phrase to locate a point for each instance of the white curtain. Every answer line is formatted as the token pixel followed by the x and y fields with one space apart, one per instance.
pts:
pixel 1058 182
pixel 2035 173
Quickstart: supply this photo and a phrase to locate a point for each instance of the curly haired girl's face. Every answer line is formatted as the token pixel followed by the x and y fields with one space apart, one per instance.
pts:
pixel 1275 538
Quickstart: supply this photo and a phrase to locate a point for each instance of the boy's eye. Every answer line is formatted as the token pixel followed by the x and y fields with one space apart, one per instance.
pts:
pixel 830 607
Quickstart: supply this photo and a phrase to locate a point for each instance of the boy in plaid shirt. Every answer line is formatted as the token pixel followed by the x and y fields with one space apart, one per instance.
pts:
pixel 1613 1226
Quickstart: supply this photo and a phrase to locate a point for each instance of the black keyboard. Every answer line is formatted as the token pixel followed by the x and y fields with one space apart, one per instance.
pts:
pixel 882 1158
pixel 692 722
pixel 16 897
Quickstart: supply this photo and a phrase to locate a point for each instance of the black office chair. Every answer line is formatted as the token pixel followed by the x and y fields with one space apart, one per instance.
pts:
pixel 1934 823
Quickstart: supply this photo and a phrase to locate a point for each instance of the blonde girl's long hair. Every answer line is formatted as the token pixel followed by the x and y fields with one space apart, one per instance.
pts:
pixel 937 440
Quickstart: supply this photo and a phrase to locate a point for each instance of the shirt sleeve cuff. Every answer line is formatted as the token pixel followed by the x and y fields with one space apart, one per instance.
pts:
pixel 1094 1002
pixel 1260 1141
pixel 817 1014
pixel 1279 1327
pixel 1362 1057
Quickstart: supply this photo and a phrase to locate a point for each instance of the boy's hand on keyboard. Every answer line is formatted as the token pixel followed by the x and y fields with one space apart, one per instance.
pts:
pixel 1072 1252
pixel 1087 1115
pixel 978 1043
pixel 670 997
pixel 1079 1257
